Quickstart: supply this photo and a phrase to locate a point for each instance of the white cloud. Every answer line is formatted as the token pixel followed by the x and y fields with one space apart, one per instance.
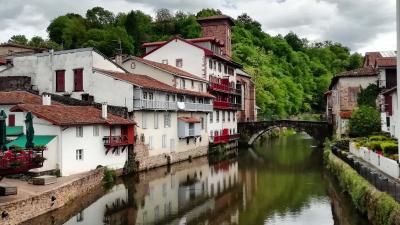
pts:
pixel 361 25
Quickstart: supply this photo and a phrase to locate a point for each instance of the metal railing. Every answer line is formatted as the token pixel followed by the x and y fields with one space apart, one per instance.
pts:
pixel 169 105
pixel 224 138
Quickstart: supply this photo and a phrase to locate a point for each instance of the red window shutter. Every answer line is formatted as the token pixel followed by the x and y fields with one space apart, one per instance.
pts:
pixel 11 120
pixel 78 79
pixel 60 80
pixel 388 104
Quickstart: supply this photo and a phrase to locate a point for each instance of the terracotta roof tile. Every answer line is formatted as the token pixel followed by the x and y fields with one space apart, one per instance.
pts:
pixel 360 72
pixel 194 40
pixel 71 115
pixel 370 58
pixel 169 68
pixel 151 83
pixel 386 62
pixel 189 119
pixel 20 97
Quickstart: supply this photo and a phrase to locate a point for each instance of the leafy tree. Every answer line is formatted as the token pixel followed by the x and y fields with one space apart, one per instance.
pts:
pixel 98 17
pixel 37 42
pixel 208 12
pixel 18 39
pixel 294 41
pixel 68 31
pixel 139 26
pixel 355 61
pixel 368 95
pixel 364 121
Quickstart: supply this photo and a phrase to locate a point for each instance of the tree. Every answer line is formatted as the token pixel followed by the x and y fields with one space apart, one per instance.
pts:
pixel 36 42
pixel 355 61
pixel 208 12
pixel 68 31
pixel 364 121
pixel 139 26
pixel 368 95
pixel 18 39
pixel 98 17
pixel 294 41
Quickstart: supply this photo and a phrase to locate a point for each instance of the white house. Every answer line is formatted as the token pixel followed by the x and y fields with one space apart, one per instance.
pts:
pixel 207 57
pixel 390 111
pixel 79 138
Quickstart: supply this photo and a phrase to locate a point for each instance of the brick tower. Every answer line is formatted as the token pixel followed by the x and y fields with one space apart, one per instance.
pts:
pixel 219 27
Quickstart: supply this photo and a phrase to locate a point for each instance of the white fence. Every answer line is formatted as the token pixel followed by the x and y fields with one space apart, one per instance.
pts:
pixel 386 165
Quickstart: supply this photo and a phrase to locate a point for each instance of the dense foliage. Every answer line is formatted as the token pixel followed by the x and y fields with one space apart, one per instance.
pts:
pixel 290 73
pixel 368 95
pixel 364 121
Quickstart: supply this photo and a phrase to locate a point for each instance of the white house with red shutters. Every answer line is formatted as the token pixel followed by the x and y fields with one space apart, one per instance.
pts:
pixel 77 138
pixel 209 58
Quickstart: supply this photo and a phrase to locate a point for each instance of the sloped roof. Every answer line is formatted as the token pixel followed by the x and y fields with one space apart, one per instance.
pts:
pixel 386 62
pixel 151 83
pixel 20 97
pixel 216 18
pixel 194 40
pixel 10 44
pixel 168 68
pixel 71 115
pixel 360 72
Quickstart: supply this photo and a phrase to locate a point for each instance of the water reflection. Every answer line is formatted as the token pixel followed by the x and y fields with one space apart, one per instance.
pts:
pixel 277 182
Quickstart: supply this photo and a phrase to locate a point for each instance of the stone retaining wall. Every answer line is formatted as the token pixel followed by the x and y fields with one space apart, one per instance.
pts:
pixel 25 209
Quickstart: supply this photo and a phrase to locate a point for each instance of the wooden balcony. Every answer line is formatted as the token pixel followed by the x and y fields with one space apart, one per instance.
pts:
pixel 224 88
pixel 226 105
pixel 116 141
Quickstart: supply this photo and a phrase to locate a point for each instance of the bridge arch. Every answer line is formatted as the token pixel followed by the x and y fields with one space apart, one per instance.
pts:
pixel 251 131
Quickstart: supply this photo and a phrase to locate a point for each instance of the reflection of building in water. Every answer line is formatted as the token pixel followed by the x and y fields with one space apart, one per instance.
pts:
pixel 248 179
pixel 221 177
pixel 108 205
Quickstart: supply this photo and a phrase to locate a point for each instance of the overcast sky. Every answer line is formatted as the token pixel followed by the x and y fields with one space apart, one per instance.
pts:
pixel 362 25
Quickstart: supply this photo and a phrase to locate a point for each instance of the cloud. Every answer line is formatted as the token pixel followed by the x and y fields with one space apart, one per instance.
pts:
pixel 358 24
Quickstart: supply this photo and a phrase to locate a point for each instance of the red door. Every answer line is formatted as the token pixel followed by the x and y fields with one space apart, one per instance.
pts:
pixel 60 80
pixel 78 79
pixel 11 120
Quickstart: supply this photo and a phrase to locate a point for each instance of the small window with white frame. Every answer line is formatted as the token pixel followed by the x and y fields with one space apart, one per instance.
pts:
pixel 164 141
pixel 79 154
pixel 165 61
pixel 79 131
pixel 179 63
pixel 96 130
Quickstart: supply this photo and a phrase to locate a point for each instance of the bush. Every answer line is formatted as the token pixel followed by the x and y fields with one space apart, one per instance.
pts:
pixel 109 177
pixel 378 138
pixel 389 147
pixel 364 121
pixel 374 145
pixel 342 144
pixel 368 95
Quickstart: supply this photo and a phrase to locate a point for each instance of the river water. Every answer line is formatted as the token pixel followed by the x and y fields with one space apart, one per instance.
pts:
pixel 277 182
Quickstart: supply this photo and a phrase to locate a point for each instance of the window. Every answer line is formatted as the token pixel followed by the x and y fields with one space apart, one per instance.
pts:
pixel 164 141
pixel 201 88
pixel 150 96
pixel 79 131
pixel 210 63
pixel 167 98
pixel 60 80
pixel 215 65
pixel 217 115
pixel 78 79
pixel 151 143
pixel 179 63
pixel 155 120
pixel 144 120
pixel 202 123
pixel 165 61
pixel 192 84
pixel 172 145
pixel 234 116
pixel 79 217
pixel 11 120
pixel 219 67
pixel 96 131
pixel 223 116
pixel 225 69
pixel 183 84
pixel 79 154
pixel 211 117
pixel 229 116
pixel 353 92
pixel 144 95
pixel 167 119
pixel 117 152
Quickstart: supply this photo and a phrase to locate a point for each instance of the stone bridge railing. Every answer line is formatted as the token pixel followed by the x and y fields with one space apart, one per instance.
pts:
pixel 319 130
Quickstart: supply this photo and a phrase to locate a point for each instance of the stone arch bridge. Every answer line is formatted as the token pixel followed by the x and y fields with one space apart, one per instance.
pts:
pixel 250 131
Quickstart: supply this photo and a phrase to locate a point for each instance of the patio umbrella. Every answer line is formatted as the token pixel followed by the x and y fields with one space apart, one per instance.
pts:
pixel 3 135
pixel 30 132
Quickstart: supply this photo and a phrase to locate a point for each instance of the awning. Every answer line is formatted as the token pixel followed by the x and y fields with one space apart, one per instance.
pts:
pixel 37 140
pixel 189 119
pixel 14 131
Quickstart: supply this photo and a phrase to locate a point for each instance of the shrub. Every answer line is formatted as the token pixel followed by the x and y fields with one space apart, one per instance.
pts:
pixel 342 144
pixel 364 121
pixel 109 177
pixel 374 145
pixel 368 95
pixel 389 147
pixel 378 138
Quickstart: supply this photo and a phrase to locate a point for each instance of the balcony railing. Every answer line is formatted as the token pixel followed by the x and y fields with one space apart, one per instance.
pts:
pixel 169 105
pixel 20 161
pixel 220 139
pixel 224 88
pixel 191 132
pixel 116 141
pixel 226 105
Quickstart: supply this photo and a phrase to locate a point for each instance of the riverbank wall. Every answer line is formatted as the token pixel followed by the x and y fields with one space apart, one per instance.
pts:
pixel 379 207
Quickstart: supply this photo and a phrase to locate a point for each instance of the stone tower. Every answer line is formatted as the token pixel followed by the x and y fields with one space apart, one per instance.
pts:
pixel 220 28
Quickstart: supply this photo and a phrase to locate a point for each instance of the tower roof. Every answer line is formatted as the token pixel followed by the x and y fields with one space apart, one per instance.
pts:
pixel 216 19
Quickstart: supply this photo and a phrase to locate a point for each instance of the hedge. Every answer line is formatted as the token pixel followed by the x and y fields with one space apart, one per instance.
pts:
pixel 380 208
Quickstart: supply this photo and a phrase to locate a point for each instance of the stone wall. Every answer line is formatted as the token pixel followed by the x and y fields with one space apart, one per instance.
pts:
pixel 15 83
pixel 31 207
pixel 145 162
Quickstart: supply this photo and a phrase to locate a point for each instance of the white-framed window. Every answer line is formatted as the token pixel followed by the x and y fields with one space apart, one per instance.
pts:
pixel 150 96
pixel 172 144
pixel 223 116
pixel 211 117
pixel 155 120
pixel 144 95
pixel 202 123
pixel 117 152
pixel 151 143
pixel 79 216
pixel 192 84
pixel 79 131
pixel 164 61
pixel 79 154
pixel 167 119
pixel 144 120
pixel 234 116
pixel 164 141
pixel 229 116
pixel 179 62
pixel 96 131
pixel 217 115
pixel 210 64
pixel 183 84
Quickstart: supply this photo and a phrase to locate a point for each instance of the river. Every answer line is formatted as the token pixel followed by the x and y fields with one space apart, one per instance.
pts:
pixel 277 182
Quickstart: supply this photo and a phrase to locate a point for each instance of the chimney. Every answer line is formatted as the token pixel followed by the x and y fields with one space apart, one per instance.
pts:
pixel 104 110
pixel 46 99
pixel 118 59
pixel 219 27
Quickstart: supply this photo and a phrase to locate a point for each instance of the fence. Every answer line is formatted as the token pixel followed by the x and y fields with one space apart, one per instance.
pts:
pixel 386 165
pixel 381 181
